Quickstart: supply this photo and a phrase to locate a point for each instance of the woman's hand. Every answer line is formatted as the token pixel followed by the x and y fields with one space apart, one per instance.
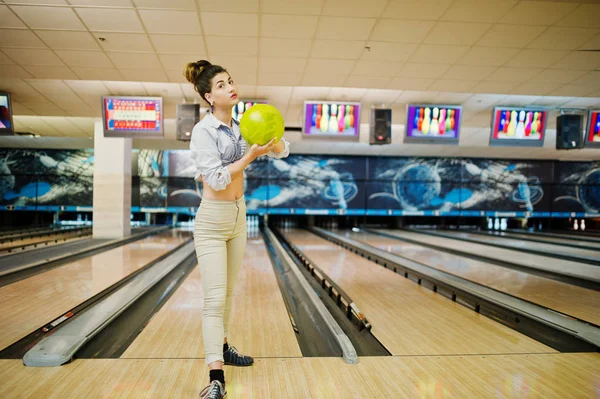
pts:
pixel 260 150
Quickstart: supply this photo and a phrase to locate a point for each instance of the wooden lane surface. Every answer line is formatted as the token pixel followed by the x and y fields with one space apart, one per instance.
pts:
pixel 31 303
pixel 518 244
pixel 502 254
pixel 259 326
pixel 550 240
pixel 578 302
pixel 41 243
pixel 407 318
pixel 547 376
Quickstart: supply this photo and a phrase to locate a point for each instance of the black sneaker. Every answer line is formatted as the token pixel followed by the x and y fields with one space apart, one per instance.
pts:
pixel 215 390
pixel 232 357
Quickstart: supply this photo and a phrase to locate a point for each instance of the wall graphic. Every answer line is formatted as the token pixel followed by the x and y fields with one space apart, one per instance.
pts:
pixel 317 184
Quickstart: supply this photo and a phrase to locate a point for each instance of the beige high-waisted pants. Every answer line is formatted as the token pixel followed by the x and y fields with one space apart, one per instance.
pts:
pixel 220 241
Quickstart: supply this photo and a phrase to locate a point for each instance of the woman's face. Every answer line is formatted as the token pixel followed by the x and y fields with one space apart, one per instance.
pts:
pixel 223 92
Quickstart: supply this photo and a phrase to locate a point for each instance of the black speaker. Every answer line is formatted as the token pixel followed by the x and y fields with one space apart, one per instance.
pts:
pixel 568 131
pixel 381 126
pixel 187 116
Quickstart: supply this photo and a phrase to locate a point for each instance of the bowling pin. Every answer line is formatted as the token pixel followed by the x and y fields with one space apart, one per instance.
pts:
pixel 582 224
pixel 502 122
pixel 528 124
pixel 442 121
pixel 314 116
pixel 341 119
pixel 490 223
pixel 426 121
pixel 520 132
pixel 449 121
pixel 496 224
pixel 347 118
pixel 351 107
pixel 325 118
pixel 319 111
pixel 503 224
pixel 416 120
pixel 575 225
pixel 420 119
pixel 333 122
pixel 434 128
pixel 512 125
pixel 240 110
pixel 534 125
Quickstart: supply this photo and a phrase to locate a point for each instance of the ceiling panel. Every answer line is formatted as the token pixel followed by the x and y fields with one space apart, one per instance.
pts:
pixel 182 22
pixel 391 52
pixel 288 27
pixel 434 54
pixel 98 73
pixel 242 6
pixel 354 8
pixel 229 24
pixel 414 10
pixel 125 42
pixel 231 45
pixel 584 15
pixel 86 59
pixel 558 38
pixel 118 20
pixel 456 33
pixel 487 56
pixel 342 49
pixel 271 47
pixel 338 28
pixel 402 83
pixel 543 13
pixel 48 17
pixel 181 44
pixel 513 36
pixel 305 7
pixel 478 10
pixel 393 30
pixel 9 19
pixel 368 68
pixel 20 38
pixel 50 72
pixel 68 40
pixel 33 56
pixel 135 60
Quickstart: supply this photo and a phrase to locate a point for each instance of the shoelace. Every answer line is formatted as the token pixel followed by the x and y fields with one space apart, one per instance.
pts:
pixel 214 391
pixel 234 350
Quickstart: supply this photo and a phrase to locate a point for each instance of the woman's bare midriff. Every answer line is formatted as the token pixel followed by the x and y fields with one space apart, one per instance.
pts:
pixel 233 191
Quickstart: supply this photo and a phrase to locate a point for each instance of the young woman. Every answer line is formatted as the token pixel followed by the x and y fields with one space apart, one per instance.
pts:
pixel 221 154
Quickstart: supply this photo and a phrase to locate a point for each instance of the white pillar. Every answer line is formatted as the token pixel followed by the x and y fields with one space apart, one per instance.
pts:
pixel 112 185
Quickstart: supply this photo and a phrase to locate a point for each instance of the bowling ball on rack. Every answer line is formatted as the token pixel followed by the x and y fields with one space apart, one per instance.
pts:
pixel 261 123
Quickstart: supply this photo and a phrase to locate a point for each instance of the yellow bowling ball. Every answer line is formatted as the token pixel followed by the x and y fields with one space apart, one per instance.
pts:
pixel 260 123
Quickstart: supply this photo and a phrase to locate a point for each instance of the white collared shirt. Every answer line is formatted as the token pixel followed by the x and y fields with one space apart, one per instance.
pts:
pixel 214 145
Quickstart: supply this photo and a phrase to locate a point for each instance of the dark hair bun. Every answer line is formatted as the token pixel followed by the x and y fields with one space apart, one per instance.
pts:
pixel 194 69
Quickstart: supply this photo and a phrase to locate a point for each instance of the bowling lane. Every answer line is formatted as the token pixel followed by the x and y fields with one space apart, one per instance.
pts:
pixel 575 301
pixel 259 325
pixel 549 240
pixel 569 236
pixel 550 249
pixel 546 263
pixel 29 304
pixel 407 318
pixel 41 242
